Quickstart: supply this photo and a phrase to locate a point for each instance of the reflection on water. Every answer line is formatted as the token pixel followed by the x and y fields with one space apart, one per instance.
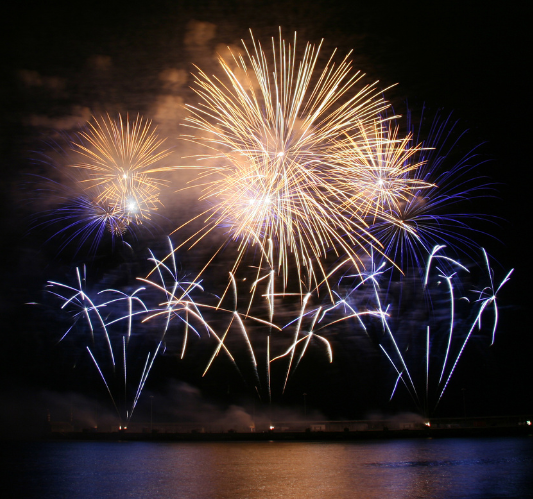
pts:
pixel 418 468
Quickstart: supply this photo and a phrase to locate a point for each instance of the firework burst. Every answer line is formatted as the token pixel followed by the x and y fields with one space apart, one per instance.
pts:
pixel 121 161
pixel 449 327
pixel 271 132
pixel 375 172
pixel 108 180
pixel 441 184
pixel 115 320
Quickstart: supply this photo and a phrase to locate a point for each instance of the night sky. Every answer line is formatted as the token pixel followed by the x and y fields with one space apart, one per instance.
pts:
pixel 67 61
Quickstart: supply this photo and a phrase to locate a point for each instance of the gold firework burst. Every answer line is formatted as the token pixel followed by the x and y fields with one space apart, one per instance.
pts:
pixel 121 159
pixel 270 131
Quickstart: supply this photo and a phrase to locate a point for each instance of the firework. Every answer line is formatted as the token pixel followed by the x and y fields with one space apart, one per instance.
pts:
pixel 422 344
pixel 304 333
pixel 121 159
pixel 84 309
pixel 273 133
pixel 307 175
pixel 80 305
pixel 439 185
pixel 83 204
pixel 486 297
pixel 179 304
pixel 76 219
pixel 106 312
pixel 375 172
pixel 444 346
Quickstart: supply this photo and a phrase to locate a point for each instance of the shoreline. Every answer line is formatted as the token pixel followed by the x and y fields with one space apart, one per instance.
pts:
pixel 292 436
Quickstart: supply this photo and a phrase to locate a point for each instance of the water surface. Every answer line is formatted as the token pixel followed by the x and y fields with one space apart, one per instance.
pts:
pixel 415 468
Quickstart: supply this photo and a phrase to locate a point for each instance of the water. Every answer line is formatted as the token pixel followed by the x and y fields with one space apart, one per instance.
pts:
pixel 417 468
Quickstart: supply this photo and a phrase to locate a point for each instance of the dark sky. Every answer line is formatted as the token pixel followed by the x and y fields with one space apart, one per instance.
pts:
pixel 65 61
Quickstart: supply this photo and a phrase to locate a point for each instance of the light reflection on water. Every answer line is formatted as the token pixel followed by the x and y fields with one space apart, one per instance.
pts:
pixel 417 468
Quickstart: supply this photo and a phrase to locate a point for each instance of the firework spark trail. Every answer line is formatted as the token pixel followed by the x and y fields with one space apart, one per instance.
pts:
pixel 103 379
pixel 220 345
pixel 318 323
pixel 400 373
pixel 373 276
pixel 318 315
pixel 486 297
pixel 144 377
pixel 78 299
pixel 411 387
pixel 433 255
pixel 124 367
pixel 241 324
pixel 270 297
pixel 448 279
pixel 130 298
pixel 184 287
pixel 485 300
pixel 400 356
pixel 296 334
pixel 178 300
pixel 238 318
pixel 492 295
pixel 120 157
pixel 362 277
pixel 427 367
pixel 308 339
pixel 270 276
pixel 179 303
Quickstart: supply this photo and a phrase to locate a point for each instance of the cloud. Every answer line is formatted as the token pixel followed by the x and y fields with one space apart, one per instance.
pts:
pixel 30 78
pixel 173 79
pixel 79 116
pixel 199 33
pixel 168 111
pixel 33 79
pixel 31 414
